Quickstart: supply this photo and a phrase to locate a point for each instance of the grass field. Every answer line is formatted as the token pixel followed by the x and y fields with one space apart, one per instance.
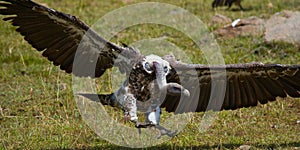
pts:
pixel 38 111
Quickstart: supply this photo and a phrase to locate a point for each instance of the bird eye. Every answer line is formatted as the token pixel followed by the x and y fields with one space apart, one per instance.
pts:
pixel 166 69
pixel 147 66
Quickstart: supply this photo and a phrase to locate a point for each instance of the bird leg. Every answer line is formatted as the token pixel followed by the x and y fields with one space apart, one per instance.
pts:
pixel 152 120
pixel 147 123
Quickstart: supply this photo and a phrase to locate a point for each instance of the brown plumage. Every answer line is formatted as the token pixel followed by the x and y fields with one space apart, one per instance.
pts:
pixel 246 85
pixel 189 87
pixel 58 35
pixel 217 3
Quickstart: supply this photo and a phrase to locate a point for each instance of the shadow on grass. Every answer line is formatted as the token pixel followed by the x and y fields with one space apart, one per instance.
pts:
pixel 222 146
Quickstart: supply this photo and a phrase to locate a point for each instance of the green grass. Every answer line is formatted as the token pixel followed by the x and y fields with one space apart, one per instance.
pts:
pixel 37 108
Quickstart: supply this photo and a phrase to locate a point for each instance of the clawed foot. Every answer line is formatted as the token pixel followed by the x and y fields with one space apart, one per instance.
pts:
pixel 140 125
pixel 143 125
pixel 164 131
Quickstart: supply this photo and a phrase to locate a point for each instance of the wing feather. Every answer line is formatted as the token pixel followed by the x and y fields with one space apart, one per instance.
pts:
pixel 61 35
pixel 272 86
pixel 246 84
pixel 265 94
pixel 205 94
pixel 244 96
pixel 236 93
pixel 226 102
pixel 252 96
pixel 291 82
pixel 231 94
pixel 66 59
pixel 289 89
pixel 172 104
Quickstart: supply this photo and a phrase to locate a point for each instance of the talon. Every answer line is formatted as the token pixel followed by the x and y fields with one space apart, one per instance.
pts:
pixel 172 133
pixel 143 125
pixel 163 131
pixel 167 132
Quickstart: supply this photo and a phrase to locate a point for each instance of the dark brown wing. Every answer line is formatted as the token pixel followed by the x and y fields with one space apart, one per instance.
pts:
pixel 231 86
pixel 62 38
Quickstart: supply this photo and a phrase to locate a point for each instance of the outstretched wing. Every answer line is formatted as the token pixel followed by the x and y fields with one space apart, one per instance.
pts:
pixel 231 86
pixel 63 37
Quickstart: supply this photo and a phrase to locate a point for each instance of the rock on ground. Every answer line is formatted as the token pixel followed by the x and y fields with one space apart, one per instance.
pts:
pixel 284 26
pixel 252 26
pixel 220 20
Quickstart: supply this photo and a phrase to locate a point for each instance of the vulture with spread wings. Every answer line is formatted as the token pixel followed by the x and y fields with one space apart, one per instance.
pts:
pixel 152 80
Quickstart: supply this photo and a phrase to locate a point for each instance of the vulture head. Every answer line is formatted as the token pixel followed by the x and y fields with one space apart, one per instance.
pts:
pixel 154 63
pixel 160 68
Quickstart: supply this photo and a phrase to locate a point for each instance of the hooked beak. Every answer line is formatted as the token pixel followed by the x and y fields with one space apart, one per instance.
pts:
pixel 160 75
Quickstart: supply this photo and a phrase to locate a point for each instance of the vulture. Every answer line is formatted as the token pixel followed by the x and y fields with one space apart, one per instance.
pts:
pixel 152 82
pixel 228 3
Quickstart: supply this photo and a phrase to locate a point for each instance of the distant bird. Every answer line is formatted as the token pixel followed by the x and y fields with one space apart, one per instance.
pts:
pixel 152 80
pixel 228 3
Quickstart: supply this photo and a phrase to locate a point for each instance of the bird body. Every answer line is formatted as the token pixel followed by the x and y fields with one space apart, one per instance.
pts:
pixel 152 82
